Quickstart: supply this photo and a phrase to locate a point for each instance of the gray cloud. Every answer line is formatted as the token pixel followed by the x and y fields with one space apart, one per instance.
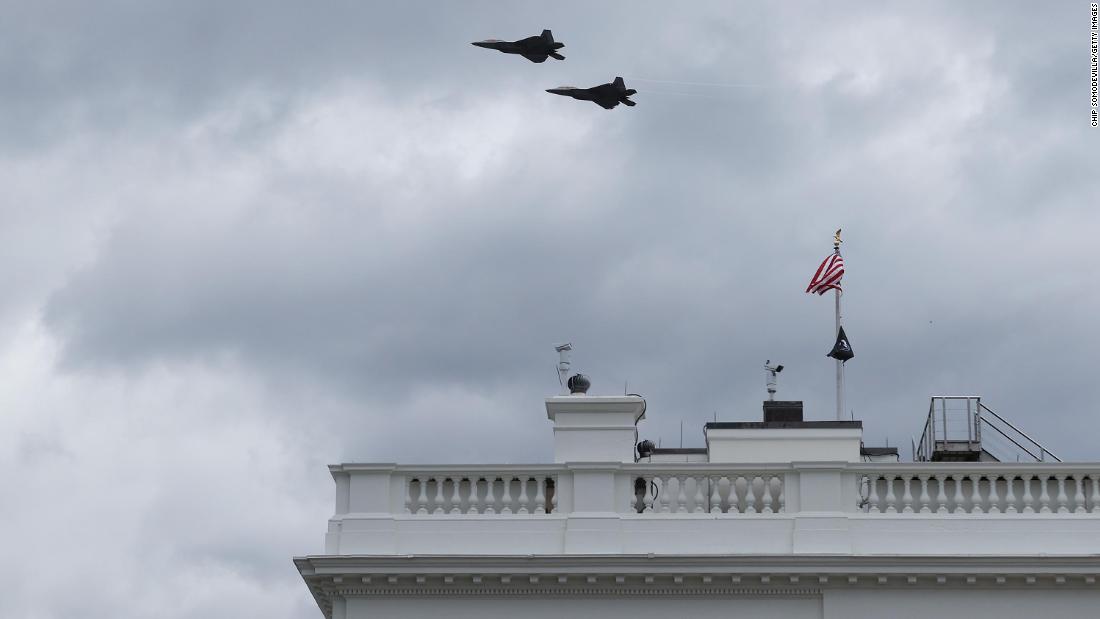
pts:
pixel 265 238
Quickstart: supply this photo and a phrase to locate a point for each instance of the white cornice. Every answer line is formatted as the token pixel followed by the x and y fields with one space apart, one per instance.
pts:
pixel 630 575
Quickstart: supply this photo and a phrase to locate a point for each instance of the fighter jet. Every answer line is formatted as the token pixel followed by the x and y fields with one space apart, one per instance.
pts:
pixel 606 96
pixel 535 49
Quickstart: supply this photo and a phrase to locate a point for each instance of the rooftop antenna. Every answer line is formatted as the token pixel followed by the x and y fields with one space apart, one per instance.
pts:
pixel 769 378
pixel 564 353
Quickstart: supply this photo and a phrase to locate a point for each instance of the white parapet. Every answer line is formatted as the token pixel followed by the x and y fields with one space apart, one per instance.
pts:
pixel 825 441
pixel 836 508
pixel 595 428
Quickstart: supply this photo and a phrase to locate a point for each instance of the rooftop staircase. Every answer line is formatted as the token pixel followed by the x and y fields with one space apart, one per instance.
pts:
pixel 962 429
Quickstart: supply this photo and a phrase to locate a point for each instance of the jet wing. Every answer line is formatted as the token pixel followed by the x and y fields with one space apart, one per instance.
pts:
pixel 607 105
pixel 535 57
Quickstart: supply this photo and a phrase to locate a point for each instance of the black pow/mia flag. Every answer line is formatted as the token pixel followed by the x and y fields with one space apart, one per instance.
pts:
pixel 842 350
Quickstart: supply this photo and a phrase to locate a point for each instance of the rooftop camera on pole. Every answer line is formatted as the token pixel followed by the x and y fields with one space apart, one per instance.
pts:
pixel 770 372
pixel 564 352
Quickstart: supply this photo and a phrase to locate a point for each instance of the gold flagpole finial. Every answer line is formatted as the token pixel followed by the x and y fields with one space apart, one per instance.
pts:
pixel 836 239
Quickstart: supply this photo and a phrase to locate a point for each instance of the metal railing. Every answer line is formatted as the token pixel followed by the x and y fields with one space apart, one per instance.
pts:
pixel 955 424
pixel 1015 436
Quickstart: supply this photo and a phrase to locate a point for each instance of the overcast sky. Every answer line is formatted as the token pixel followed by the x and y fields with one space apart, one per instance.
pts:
pixel 242 240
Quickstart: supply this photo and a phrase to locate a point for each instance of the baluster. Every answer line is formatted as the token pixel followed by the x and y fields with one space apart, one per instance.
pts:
pixel 681 496
pixel 975 494
pixel 422 496
pixel 782 500
pixel 523 498
pixel 439 495
pixel 1095 494
pixel 924 499
pixel 456 499
pixel 506 496
pixel 906 495
pixel 540 495
pixel 872 496
pixel 647 500
pixel 410 501
pixel 994 495
pixel 1010 494
pixel 960 507
pixel 941 494
pixel 665 494
pixel 1044 496
pixel 1078 494
pixel 734 499
pixel 1062 498
pixel 698 507
pixel 750 494
pixel 891 500
pixel 636 504
pixel 766 501
pixel 1029 501
pixel 554 500
pixel 715 498
pixel 475 501
pixel 490 495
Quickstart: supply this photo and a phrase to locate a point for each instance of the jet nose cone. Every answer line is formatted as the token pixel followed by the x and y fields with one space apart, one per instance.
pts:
pixel 480 44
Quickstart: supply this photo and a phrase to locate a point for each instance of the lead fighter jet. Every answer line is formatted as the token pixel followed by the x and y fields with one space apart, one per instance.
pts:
pixel 606 96
pixel 535 49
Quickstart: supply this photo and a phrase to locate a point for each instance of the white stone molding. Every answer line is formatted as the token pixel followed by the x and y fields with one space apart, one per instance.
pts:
pixel 576 577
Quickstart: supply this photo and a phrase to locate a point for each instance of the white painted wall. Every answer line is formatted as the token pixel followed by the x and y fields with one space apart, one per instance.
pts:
pixel 595 428
pixel 784 444
pixel 592 608
pixel 984 603
pixel 854 603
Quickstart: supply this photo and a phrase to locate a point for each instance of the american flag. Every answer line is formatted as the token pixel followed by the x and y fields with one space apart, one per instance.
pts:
pixel 828 274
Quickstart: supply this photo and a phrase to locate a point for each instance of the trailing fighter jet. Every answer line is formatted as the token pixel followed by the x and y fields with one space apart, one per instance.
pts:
pixel 606 96
pixel 535 49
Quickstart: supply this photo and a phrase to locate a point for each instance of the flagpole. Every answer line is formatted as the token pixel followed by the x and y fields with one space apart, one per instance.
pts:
pixel 828 276
pixel 839 366
pixel 839 363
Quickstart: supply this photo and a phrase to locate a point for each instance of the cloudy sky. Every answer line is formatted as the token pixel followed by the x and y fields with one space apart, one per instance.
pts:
pixel 243 240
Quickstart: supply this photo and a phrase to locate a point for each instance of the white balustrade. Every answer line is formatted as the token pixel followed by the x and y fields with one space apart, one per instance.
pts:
pixel 729 493
pixel 503 494
pixel 887 490
pixel 994 489
pixel 936 508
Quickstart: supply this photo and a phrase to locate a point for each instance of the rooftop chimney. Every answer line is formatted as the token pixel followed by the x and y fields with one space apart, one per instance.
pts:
pixel 782 411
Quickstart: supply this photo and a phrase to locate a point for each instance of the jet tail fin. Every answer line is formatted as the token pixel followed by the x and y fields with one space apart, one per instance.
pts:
pixel 629 102
pixel 557 56
pixel 619 83
pixel 548 36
